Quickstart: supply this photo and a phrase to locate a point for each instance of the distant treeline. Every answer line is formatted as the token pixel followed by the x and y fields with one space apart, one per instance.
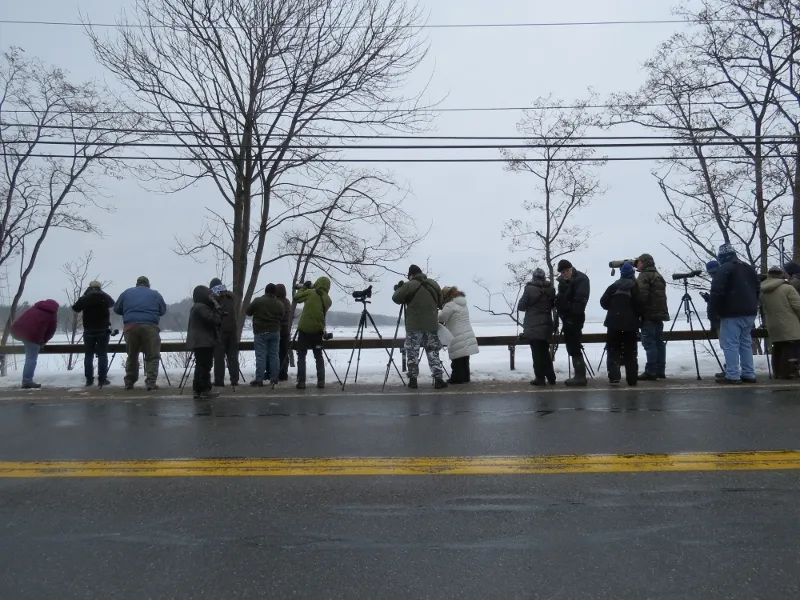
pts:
pixel 177 317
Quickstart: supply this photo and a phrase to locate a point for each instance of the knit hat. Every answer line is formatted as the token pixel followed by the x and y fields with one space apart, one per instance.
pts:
pixel 792 268
pixel 539 274
pixel 627 271
pixel 218 289
pixel 95 284
pixel 143 281
pixel 414 270
pixel 775 270
pixel 712 266
pixel 563 265
pixel 726 253
pixel 215 282
pixel 271 288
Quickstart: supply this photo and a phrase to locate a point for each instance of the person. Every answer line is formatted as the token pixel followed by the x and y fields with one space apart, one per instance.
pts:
pixel 227 347
pixel 286 335
pixel 625 305
pixel 781 303
pixel 653 293
pixel 267 312
pixel 538 325
pixel 96 307
pixel 141 308
pixel 792 269
pixel 573 295
pixel 455 317
pixel 311 327
pixel 34 328
pixel 422 298
pixel 202 338
pixel 734 298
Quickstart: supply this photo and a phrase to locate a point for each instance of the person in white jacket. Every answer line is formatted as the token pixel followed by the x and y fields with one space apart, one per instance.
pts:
pixel 455 317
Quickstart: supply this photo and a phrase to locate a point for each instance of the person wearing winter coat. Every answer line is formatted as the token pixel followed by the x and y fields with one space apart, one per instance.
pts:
pixel 227 347
pixel 141 308
pixel 34 328
pixel 311 327
pixel 573 295
pixel 422 298
pixel 653 293
pixel 455 317
pixel 623 301
pixel 734 298
pixel 538 325
pixel 267 312
pixel 286 332
pixel 202 338
pixel 781 303
pixel 96 307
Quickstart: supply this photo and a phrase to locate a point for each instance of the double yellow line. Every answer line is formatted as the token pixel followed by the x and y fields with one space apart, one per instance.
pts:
pixel 429 465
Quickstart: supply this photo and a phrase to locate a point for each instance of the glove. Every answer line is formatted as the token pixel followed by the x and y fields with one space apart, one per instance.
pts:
pixel 399 285
pixel 705 296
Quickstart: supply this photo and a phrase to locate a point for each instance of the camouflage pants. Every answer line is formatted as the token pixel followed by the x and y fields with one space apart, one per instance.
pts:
pixel 429 340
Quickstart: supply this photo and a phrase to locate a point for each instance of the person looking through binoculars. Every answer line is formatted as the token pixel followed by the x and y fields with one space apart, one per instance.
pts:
pixel 422 298
pixel 311 327
pixel 267 312
pixel 96 307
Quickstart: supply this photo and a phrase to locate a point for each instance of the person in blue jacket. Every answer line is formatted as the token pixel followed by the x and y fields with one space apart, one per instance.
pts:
pixel 141 309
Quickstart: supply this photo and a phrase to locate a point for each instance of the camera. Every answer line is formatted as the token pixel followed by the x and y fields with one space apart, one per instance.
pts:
pixel 113 332
pixel 689 275
pixel 363 294
pixel 307 285
pixel 327 336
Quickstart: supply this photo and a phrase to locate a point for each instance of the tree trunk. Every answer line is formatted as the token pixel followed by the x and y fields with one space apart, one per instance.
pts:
pixel 796 203
pixel 763 237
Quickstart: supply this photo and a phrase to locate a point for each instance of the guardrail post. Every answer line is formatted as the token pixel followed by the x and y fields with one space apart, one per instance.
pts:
pixel 512 352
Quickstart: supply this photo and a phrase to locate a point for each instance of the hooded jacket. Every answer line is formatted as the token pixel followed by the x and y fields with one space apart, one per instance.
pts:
pixel 537 303
pixel 37 325
pixel 734 290
pixel 140 305
pixel 623 301
pixel 573 295
pixel 204 321
pixel 316 303
pixel 652 290
pixel 96 307
pixel 781 309
pixel 227 300
pixel 455 316
pixel 267 312
pixel 286 322
pixel 422 298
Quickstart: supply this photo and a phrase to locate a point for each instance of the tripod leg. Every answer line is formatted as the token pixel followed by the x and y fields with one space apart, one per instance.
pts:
pixel 185 377
pixel 705 332
pixel 330 364
pixel 694 348
pixel 164 368
pixel 602 356
pixel 359 336
pixel 390 353
pixel 586 360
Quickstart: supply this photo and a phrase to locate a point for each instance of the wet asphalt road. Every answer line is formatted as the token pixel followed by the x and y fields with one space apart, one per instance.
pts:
pixel 618 536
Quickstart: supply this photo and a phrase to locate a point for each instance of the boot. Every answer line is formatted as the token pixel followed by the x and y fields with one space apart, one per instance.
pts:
pixel 301 385
pixel 647 376
pixel 31 385
pixel 103 382
pixel 89 381
pixel 439 383
pixel 412 383
pixel 538 382
pixel 320 384
pixel 152 387
pixel 579 379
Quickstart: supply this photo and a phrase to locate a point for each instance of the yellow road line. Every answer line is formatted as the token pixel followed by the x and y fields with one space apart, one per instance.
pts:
pixel 424 465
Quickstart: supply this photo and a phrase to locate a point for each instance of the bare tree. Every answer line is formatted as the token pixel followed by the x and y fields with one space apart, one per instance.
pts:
pixel 57 140
pixel 76 272
pixel 252 90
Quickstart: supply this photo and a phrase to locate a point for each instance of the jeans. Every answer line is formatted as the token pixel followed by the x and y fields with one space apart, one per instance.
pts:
pixel 737 345
pixel 31 356
pixel 654 346
pixel 96 344
pixel 267 346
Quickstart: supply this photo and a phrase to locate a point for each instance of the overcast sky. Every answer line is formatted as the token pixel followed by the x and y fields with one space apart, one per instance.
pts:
pixel 465 204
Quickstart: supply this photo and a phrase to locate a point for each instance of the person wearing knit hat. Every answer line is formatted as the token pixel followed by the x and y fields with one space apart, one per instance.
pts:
pixel 141 308
pixel 95 305
pixel 734 298
pixel 538 327
pixel 227 347
pixel 653 291
pixel 792 269
pixel 573 295
pixel 623 301
pixel 712 266
pixel 781 304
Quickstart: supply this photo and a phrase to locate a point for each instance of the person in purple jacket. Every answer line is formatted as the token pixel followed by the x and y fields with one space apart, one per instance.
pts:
pixel 34 328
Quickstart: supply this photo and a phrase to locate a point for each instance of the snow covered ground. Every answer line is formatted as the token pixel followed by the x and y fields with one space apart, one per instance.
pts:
pixel 492 364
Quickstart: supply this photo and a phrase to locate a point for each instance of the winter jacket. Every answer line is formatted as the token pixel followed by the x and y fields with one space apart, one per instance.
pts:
pixel 795 282
pixel 267 312
pixel 734 291
pixel 204 321
pixel 781 309
pixel 623 301
pixel 422 298
pixel 227 300
pixel 455 316
pixel 286 322
pixel 316 303
pixel 573 295
pixel 537 303
pixel 96 307
pixel 140 305
pixel 37 325
pixel 653 291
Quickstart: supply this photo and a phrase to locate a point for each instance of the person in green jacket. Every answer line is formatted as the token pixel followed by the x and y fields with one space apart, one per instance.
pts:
pixel 422 299
pixel 781 304
pixel 653 292
pixel 267 312
pixel 311 326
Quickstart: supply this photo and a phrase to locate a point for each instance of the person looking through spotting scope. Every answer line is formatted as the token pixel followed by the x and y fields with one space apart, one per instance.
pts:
pixel 623 301
pixel 96 307
pixel 202 337
pixel 422 298
pixel 311 327
pixel 573 295
pixel 227 346
pixel 653 292
pixel 267 312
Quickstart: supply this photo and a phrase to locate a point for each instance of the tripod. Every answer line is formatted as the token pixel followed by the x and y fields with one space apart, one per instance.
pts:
pixel 689 308
pixel 359 343
pixel 113 356
pixel 324 352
